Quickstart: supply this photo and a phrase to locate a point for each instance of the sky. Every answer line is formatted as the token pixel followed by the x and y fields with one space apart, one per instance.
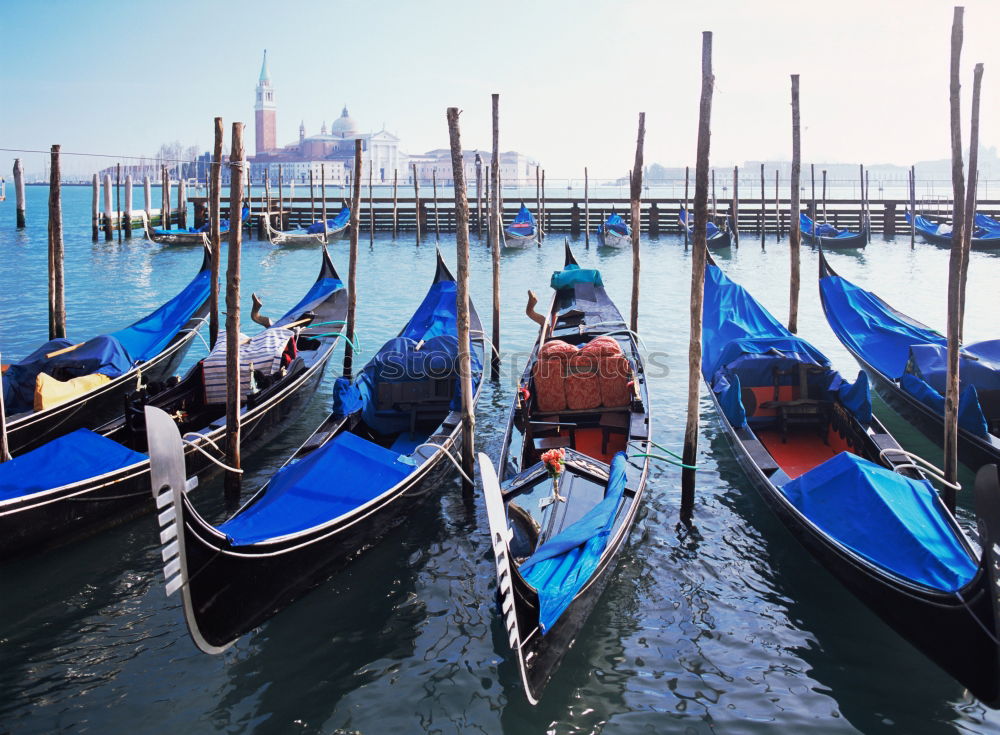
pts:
pixel 120 78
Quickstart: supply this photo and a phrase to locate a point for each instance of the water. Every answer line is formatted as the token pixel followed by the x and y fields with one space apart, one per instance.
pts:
pixel 729 627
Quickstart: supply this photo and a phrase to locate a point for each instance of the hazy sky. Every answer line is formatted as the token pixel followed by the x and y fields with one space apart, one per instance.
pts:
pixel 123 77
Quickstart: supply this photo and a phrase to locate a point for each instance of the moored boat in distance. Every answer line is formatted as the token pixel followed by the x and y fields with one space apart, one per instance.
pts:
pixel 556 536
pixel 522 232
pixel 614 232
pixel 715 237
pixel 393 427
pixel 845 489
pixel 825 234
pixel 939 233
pixel 189 235
pixel 318 233
pixel 86 481
pixel 63 386
pixel 906 360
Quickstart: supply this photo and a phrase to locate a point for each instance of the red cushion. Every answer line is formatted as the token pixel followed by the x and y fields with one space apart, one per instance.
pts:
pixel 583 382
pixel 615 375
pixel 548 375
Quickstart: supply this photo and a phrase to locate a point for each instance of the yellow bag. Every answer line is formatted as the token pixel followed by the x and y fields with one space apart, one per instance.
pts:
pixel 50 392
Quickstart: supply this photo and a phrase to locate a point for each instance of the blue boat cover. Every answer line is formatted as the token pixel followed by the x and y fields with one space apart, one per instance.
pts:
pixel 342 475
pixel 564 564
pixel 970 413
pixel 523 224
pixel 108 354
pixel 823 229
pixel 615 224
pixel 77 456
pixel 331 224
pixel 318 293
pixel 893 521
pixel 573 274
pixel 987 223
pixel 711 229
pixel 979 364
pixel 223 227
pixel 869 326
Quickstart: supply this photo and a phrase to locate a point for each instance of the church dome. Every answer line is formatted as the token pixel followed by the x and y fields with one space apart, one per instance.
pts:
pixel 344 126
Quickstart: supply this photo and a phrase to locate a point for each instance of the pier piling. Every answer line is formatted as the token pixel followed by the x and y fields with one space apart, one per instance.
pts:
pixel 736 207
pixel 437 218
pixel 794 230
pixel 95 212
pixel 352 269
pixel 57 297
pixel 763 208
pixel 108 234
pixel 233 398
pixel 118 199
pixel 395 205
pixel 495 238
pixel 147 200
pixel 128 206
pixel 687 209
pixel 214 231
pixel 19 192
pixel 416 201
pixel 634 205
pixel 586 207
pixel 182 204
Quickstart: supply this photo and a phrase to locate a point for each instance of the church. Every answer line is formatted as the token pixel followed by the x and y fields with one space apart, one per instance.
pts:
pixel 331 151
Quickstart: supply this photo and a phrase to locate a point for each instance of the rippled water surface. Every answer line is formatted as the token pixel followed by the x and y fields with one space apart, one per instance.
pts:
pixel 726 627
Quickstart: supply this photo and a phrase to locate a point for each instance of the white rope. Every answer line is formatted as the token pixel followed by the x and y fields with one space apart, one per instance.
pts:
pixel 201 449
pixel 448 455
pixel 935 472
pixel 197 331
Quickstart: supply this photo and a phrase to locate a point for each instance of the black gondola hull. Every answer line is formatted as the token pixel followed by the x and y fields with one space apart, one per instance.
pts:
pixel 858 240
pixel 951 634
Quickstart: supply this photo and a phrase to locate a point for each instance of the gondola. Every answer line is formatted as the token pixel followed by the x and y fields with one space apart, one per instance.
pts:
pixel 906 361
pixel 986 222
pixel 716 237
pixel 845 489
pixel 983 238
pixel 188 235
pixel 314 234
pixel 85 481
pixel 614 232
pixel 521 233
pixel 63 385
pixel 392 429
pixel 829 236
pixel 583 394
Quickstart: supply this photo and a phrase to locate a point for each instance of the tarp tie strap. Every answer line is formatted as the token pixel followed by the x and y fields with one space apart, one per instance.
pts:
pixel 446 454
pixel 201 449
pixel 928 468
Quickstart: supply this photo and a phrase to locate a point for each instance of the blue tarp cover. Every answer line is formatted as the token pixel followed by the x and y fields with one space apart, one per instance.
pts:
pixel 71 458
pixel 573 274
pixel 891 520
pixel 970 413
pixel 823 229
pixel 340 476
pixel 319 292
pixel 711 229
pixel 877 332
pixel 331 224
pixel 979 365
pixel 616 224
pixel 523 224
pixel 987 223
pixel 562 565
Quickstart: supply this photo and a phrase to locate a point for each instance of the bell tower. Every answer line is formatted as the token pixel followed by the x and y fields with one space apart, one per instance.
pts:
pixel 265 111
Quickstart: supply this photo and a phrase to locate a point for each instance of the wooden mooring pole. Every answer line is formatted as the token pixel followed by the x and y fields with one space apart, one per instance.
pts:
pixel 736 207
pixel 147 201
pixel 416 202
pixel 371 206
pixel 19 192
pixel 128 206
pixel 57 297
pixel 395 208
pixel 165 195
pixel 118 199
pixel 635 194
pixel 352 271
pixel 108 211
pixel 824 195
pixel 954 267
pixel 586 208
pixel 538 201
pixel 182 204
pixel 794 231
pixel 437 216
pixel 4 448
pixel 462 297
pixel 913 207
pixel 687 206
pixel 970 196
pixel 479 195
pixel 322 193
pixel 214 232
pixel 698 259
pixel 95 209
pixel 763 208
pixel 545 222
pixel 777 209
pixel 495 238
pixel 233 386
pixel 312 197
pixel 281 199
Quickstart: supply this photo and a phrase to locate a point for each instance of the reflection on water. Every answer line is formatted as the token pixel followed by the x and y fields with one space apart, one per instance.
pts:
pixel 727 627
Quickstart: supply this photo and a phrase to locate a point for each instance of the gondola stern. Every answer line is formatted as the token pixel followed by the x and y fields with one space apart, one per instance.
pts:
pixel 570 258
pixel 987 504
pixel 169 486
pixel 443 272
pixel 328 269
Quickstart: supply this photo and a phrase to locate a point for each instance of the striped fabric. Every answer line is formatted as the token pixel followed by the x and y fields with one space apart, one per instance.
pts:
pixel 262 353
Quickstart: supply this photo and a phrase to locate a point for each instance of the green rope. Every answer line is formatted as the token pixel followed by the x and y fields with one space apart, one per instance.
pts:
pixel 355 344
pixel 671 453
pixel 668 460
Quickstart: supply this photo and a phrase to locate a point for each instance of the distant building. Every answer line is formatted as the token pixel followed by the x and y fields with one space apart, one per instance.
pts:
pixel 515 168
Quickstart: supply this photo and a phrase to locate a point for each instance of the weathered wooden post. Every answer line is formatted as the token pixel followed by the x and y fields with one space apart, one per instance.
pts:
pixel 395 210
pixel 95 211
pixel 824 195
pixel 913 207
pixel 958 225
pixel 495 238
pixel 118 199
pixel 970 195
pixel 654 220
pixel 687 209
pixel 586 207
pixel 889 219
pixel 267 197
pixel 545 222
pixel 19 192
pixel 416 202
pixel 812 179
pixel 352 272
pixel 635 193
pixel 777 209
pixel 715 206
pixel 861 195
pixel 574 220
pixel 233 387
pixel 128 206
pixel 763 208
pixel 736 206
pixel 147 201
pixel 371 207
pixel 538 202
pixel 214 232
pixel 462 297
pixel 4 448
pixel 312 197
pixel 794 231
pixel 479 195
pixel 437 218
pixel 868 211
pixel 182 205
pixel 322 191
pixel 165 217
pixel 57 299
pixel 698 259
pixel 108 233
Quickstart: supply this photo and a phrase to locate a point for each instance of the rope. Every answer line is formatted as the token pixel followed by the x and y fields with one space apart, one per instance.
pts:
pixel 195 445
pixel 448 455
pixel 675 459
pixel 975 617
